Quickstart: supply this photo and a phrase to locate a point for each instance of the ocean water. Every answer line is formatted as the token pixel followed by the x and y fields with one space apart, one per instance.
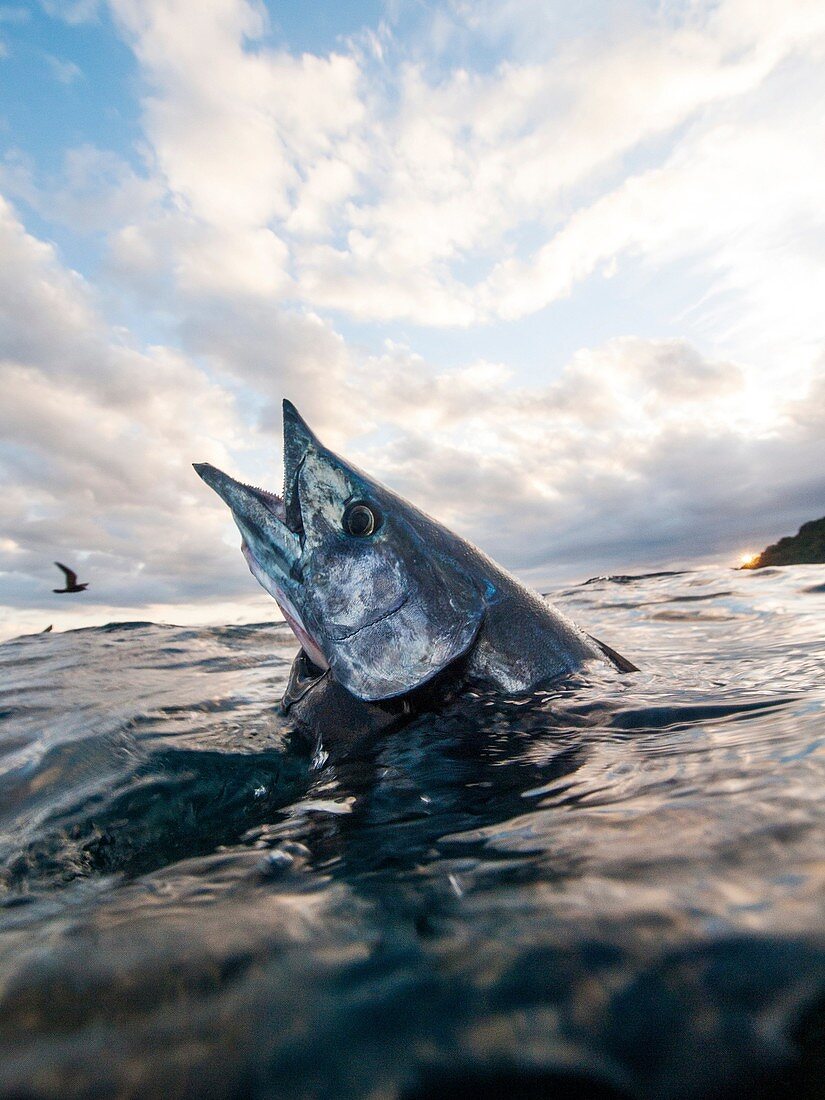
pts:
pixel 610 890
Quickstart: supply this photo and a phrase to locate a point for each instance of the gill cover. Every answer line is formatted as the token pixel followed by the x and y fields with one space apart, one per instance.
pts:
pixel 389 609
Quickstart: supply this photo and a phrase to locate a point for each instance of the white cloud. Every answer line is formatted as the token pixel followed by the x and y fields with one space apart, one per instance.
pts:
pixel 230 122
pixel 94 189
pixel 423 180
pixel 276 353
pixel 470 161
pixel 98 441
pixel 64 72
pixel 638 451
pixel 390 186
pixel 740 198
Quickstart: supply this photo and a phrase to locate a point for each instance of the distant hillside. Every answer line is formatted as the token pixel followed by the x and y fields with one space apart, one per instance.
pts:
pixel 807 547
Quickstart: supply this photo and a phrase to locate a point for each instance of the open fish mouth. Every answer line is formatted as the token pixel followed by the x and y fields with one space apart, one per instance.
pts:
pixel 238 494
pixel 261 518
pixel 272 529
pixel 234 493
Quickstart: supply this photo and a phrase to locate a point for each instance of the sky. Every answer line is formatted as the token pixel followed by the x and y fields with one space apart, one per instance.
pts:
pixel 553 271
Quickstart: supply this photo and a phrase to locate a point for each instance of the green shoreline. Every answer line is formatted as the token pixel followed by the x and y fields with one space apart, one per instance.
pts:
pixel 806 547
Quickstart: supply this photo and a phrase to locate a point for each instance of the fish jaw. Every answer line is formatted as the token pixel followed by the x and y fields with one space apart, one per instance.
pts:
pixel 289 611
pixel 259 515
pixel 271 548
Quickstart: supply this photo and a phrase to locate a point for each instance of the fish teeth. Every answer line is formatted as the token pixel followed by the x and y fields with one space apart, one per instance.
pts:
pixel 275 503
pixel 265 492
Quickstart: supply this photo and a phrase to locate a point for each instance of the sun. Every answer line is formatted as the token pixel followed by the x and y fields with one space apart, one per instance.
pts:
pixel 747 560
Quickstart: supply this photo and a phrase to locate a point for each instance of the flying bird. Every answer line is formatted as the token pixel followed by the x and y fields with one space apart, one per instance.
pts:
pixel 71 580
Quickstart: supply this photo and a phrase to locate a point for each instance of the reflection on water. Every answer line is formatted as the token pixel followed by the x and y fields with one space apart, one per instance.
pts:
pixel 614 890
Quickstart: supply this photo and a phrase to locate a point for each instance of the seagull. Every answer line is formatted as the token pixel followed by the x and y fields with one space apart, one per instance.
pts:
pixel 71 580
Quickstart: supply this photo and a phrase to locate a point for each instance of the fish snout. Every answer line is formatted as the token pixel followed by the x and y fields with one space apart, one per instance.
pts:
pixel 259 515
pixel 210 474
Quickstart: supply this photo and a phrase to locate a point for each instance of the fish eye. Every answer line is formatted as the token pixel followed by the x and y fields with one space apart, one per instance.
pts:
pixel 360 520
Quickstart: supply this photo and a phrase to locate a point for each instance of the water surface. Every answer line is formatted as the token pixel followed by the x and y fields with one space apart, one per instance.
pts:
pixel 614 889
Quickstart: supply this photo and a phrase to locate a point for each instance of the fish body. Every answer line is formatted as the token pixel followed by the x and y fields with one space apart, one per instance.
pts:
pixel 390 607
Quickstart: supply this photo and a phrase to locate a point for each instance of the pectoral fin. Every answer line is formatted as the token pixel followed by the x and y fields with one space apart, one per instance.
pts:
pixel 621 663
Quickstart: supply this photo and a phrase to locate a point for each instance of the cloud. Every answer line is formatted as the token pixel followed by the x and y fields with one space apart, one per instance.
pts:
pixel 708 202
pixel 98 440
pixel 300 224
pixel 391 183
pixel 230 123
pixel 64 72
pixel 72 11
pixel 637 451
pixel 93 190
pixel 275 352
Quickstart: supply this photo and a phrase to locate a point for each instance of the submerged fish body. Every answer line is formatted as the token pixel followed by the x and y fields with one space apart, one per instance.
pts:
pixel 389 606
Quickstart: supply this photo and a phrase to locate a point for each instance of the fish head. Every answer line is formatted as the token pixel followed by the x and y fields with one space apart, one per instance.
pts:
pixel 374 590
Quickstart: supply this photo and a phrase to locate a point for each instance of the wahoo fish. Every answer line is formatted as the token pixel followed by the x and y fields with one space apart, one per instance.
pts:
pixel 392 610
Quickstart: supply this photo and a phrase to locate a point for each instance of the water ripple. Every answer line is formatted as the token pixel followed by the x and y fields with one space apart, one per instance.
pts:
pixel 610 890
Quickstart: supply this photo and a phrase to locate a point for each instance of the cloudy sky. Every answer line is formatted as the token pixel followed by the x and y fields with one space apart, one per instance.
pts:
pixel 555 271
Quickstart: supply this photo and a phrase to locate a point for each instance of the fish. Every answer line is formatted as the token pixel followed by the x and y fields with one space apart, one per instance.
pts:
pixel 393 611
